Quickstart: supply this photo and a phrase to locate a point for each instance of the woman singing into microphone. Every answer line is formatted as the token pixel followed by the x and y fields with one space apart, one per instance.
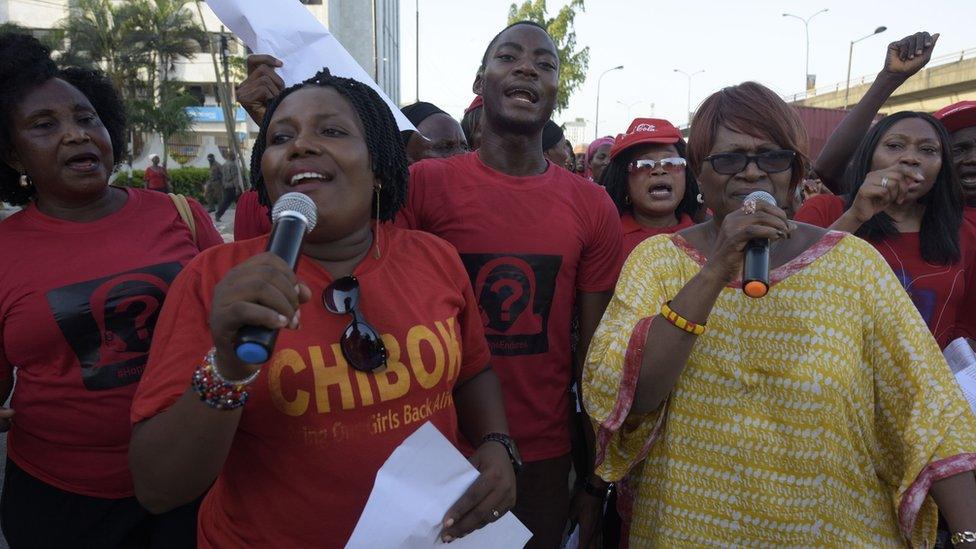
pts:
pixel 379 333
pixel 822 414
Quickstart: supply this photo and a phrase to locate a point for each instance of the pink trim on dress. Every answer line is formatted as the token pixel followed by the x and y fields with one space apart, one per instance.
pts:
pixel 625 508
pixel 625 396
pixel 795 265
pixel 628 385
pixel 912 501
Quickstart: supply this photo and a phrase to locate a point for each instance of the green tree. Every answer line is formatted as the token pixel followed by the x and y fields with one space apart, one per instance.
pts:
pixel 573 63
pixel 97 34
pixel 165 30
pixel 167 117
pixel 137 44
pixel 52 39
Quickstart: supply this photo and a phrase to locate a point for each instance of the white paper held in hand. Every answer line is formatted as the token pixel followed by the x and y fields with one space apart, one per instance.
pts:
pixel 962 361
pixel 413 490
pixel 288 31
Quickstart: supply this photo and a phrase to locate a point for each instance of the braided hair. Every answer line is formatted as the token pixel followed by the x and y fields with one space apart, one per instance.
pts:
pixel 25 64
pixel 388 159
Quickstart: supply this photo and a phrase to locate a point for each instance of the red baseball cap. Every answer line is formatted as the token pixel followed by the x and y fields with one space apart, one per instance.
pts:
pixel 645 130
pixel 957 115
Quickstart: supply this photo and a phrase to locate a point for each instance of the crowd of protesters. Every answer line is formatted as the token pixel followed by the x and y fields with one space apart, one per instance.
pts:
pixel 581 322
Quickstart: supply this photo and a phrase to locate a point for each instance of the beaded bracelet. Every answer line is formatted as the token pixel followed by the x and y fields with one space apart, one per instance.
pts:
pixel 679 321
pixel 217 392
pixel 963 537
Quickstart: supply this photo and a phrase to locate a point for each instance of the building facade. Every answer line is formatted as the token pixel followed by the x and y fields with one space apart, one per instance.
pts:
pixel 368 29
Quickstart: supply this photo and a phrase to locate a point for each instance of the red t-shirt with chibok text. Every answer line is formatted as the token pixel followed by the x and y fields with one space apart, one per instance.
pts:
pixel 314 431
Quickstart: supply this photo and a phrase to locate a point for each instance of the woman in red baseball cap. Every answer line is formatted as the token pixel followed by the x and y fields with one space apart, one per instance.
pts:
pixel 647 180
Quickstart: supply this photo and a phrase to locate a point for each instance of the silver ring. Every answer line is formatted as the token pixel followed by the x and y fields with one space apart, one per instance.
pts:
pixel 884 182
pixel 495 514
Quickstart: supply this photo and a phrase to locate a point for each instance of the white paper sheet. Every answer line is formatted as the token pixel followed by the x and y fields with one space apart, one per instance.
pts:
pixel 288 31
pixel 414 489
pixel 962 362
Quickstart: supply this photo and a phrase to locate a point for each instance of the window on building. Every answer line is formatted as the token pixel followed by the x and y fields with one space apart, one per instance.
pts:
pixel 196 92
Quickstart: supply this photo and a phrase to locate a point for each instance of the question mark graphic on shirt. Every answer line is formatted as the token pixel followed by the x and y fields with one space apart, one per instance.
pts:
pixel 516 289
pixel 150 306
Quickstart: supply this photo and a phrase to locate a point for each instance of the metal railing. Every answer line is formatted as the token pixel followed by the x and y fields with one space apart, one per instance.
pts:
pixel 868 78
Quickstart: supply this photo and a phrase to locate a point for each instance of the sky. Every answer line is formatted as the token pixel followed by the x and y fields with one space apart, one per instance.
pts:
pixel 732 41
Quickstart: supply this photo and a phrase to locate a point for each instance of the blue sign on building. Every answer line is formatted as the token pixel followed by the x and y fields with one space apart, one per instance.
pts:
pixel 213 114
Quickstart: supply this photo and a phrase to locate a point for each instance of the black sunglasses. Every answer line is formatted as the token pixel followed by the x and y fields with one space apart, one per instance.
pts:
pixel 769 162
pixel 360 343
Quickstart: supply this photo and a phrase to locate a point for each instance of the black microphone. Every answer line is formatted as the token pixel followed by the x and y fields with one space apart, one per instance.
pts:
pixel 755 269
pixel 293 215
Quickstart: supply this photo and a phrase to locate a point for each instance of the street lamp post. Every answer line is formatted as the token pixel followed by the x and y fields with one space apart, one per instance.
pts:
pixel 806 32
pixel 850 57
pixel 596 123
pixel 629 107
pixel 689 76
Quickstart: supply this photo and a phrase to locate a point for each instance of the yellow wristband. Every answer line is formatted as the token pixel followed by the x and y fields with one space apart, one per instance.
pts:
pixel 681 322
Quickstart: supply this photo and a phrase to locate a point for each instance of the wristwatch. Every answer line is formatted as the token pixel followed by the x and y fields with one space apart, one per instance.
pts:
pixel 509 444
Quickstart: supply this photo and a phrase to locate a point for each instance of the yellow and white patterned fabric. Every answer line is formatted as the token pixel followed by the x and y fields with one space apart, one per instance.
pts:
pixel 817 416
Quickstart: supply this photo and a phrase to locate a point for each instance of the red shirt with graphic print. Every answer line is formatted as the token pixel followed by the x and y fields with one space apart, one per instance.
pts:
pixel 78 307
pixel 529 245
pixel 941 293
pixel 314 431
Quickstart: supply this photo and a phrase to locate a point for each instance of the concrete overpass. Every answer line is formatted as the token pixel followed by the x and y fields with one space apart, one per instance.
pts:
pixel 945 80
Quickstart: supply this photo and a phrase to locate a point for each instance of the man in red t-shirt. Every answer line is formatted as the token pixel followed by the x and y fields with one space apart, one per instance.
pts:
pixel 535 240
pixel 156 177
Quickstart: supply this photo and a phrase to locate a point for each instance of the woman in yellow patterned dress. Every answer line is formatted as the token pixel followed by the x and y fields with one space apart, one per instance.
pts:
pixel 822 414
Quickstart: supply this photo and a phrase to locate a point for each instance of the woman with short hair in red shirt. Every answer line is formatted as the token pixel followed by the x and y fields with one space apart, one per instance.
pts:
pixel 350 378
pixel 87 267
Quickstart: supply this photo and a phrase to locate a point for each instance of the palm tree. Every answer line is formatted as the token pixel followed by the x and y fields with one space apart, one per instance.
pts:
pixel 96 36
pixel 165 30
pixel 137 44
pixel 50 39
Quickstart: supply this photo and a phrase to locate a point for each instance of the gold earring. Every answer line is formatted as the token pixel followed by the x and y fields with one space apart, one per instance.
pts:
pixel 376 230
pixel 24 180
pixel 627 199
